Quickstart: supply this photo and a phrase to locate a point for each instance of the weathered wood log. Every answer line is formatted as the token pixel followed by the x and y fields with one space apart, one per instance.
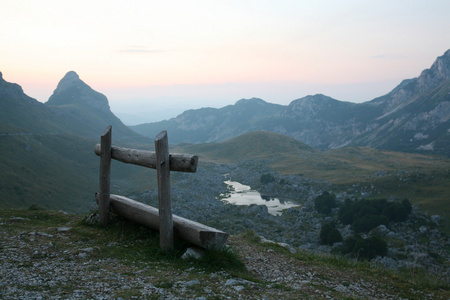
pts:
pixel 178 162
pixel 165 206
pixel 191 231
pixel 104 176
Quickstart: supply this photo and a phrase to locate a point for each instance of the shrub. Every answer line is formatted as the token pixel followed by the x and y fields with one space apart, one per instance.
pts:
pixel 407 205
pixel 395 211
pixel 365 215
pixel 334 236
pixel 326 228
pixel 368 248
pixel 367 222
pixel 325 203
pixel 267 178
pixel 376 247
pixel 329 234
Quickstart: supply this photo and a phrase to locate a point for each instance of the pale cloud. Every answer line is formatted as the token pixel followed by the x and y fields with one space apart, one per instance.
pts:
pixel 389 56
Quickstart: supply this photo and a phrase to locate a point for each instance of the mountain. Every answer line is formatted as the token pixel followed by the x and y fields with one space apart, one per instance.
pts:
pixel 207 125
pixel 85 112
pixel 46 150
pixel 74 108
pixel 21 113
pixel 413 117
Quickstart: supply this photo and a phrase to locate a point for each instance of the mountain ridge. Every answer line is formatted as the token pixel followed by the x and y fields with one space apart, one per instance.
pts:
pixel 413 117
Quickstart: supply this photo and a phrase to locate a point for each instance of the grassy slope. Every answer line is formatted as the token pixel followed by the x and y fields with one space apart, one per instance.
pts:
pixel 58 172
pixel 257 144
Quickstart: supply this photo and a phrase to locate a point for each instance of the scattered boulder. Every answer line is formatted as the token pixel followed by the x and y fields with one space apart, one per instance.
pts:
pixel 193 252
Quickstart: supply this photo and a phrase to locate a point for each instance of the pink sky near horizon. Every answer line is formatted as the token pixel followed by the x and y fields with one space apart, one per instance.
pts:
pixel 212 53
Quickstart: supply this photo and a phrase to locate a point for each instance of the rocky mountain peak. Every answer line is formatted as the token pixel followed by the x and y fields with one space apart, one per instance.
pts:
pixel 406 92
pixel 310 104
pixel 69 80
pixel 72 90
pixel 440 68
pixel 11 89
pixel 250 101
pixel 434 76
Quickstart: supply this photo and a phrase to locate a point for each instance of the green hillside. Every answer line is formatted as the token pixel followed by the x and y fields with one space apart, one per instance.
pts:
pixel 256 144
pixel 54 171
pixel 57 172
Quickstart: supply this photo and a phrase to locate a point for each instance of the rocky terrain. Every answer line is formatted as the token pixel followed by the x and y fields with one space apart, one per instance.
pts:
pixel 46 255
pixel 416 243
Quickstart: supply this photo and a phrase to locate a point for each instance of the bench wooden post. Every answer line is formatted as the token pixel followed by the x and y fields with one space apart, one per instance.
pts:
pixel 165 207
pixel 105 171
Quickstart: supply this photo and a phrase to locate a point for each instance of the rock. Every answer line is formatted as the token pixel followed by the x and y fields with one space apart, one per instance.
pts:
pixel 423 229
pixel 193 252
pixel 88 250
pixel 239 288
pixel 338 245
pixel 288 247
pixel 436 219
pixel 64 229
pixel 44 234
pixel 18 219
pixel 192 282
pixel 232 282
pixel 92 219
pixel 381 229
pixel 284 245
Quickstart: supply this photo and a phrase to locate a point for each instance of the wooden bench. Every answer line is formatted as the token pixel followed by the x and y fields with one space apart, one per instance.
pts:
pixel 158 219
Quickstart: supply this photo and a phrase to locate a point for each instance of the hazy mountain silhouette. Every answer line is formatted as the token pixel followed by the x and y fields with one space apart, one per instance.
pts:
pixel 414 116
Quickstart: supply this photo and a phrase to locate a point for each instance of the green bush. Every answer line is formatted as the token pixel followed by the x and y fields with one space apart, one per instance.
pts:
pixel 325 203
pixel 266 178
pixel 329 234
pixel 367 222
pixel 365 215
pixel 368 248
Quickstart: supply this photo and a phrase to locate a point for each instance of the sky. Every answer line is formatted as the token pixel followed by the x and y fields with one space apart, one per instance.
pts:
pixel 155 59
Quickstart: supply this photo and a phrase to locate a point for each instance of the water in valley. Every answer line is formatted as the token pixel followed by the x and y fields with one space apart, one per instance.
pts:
pixel 240 194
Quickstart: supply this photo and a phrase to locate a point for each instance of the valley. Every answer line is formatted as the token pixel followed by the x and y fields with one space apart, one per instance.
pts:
pixel 394 147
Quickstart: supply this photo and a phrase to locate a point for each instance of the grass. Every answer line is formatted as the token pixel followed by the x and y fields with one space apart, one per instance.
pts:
pixel 122 239
pixel 43 169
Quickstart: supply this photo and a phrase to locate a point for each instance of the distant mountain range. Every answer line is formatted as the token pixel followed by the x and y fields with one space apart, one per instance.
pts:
pixel 413 117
